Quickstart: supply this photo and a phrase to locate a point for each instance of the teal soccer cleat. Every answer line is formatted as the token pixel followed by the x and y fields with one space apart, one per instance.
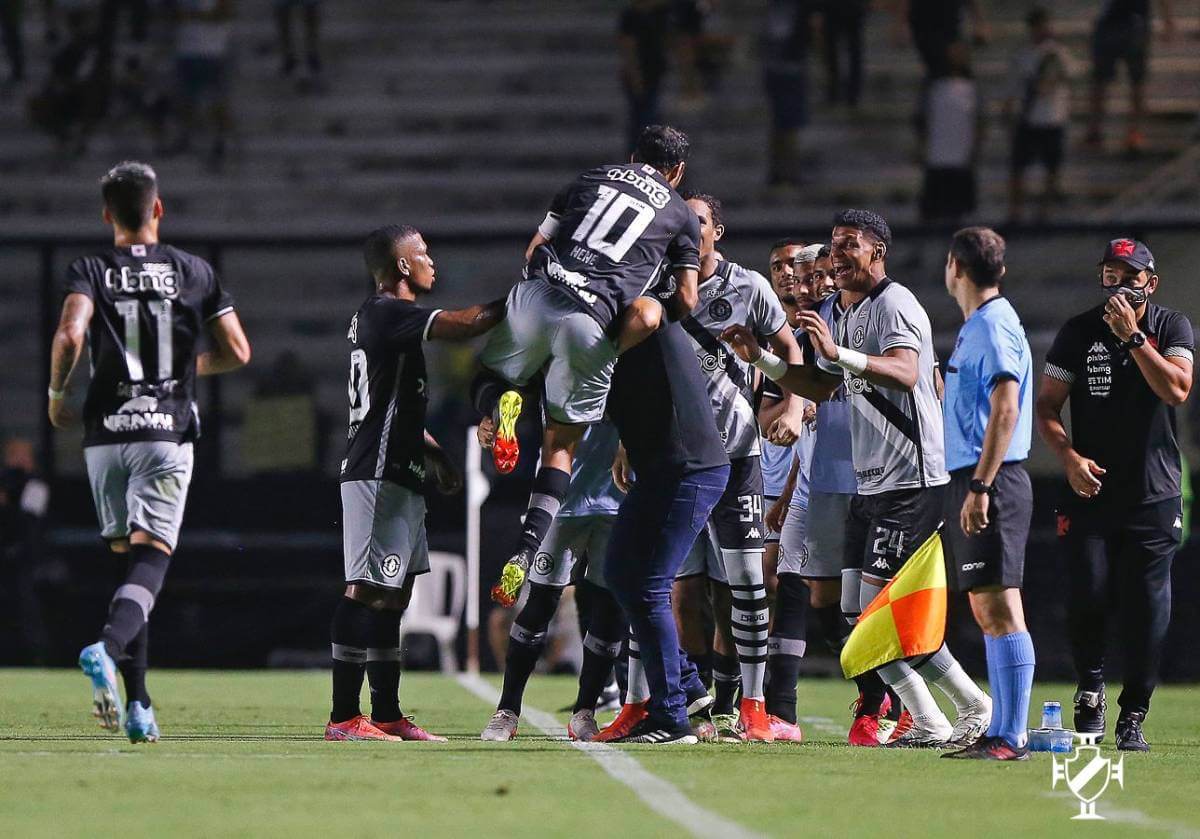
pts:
pixel 140 724
pixel 98 666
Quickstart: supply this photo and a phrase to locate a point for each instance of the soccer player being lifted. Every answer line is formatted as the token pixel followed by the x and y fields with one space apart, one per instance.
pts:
pixel 883 352
pixel 142 307
pixel 606 239
pixel 389 456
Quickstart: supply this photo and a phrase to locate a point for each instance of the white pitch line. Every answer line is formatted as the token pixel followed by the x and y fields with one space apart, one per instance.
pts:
pixel 1136 818
pixel 658 794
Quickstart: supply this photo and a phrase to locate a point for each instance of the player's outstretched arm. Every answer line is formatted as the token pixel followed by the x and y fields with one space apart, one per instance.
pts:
pixel 802 379
pixel 680 304
pixel 464 324
pixel 232 347
pixel 65 350
pixel 897 368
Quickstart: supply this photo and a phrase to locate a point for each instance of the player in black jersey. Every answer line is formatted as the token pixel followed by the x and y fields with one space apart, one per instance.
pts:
pixel 389 455
pixel 142 307
pixel 609 235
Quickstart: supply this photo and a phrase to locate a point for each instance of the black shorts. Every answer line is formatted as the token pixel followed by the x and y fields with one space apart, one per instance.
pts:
pixel 1032 144
pixel 884 530
pixel 995 557
pixel 738 516
pixel 1125 42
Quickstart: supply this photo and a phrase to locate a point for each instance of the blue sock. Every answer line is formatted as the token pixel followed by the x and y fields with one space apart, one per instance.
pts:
pixel 989 645
pixel 1014 667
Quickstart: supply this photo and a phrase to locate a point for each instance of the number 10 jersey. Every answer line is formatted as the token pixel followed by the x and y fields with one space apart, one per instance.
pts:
pixel 151 303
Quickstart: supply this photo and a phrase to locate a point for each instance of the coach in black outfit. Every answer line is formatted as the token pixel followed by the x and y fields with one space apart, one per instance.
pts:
pixel 1124 365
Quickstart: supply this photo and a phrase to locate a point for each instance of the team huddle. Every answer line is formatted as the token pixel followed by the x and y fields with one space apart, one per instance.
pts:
pixel 727 458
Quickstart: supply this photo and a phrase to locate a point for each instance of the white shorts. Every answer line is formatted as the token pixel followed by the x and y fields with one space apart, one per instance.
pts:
pixel 793 554
pixel 383 533
pixel 825 539
pixel 704 557
pixel 545 331
pixel 140 486
pixel 569 540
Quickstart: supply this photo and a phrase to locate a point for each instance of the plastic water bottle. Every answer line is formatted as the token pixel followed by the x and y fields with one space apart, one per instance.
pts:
pixel 1051 715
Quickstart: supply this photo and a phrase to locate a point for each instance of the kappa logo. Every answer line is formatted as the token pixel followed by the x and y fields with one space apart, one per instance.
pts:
pixel 753 533
pixel 1098 347
pixel 880 563
pixel 1087 775
pixel 1178 523
pixel 390 565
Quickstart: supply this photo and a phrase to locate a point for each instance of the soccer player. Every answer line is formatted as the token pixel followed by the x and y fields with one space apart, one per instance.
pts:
pixel 989 426
pixel 884 354
pixel 580 533
pixel 389 456
pixel 1125 366
pixel 728 294
pixel 607 236
pixel 142 307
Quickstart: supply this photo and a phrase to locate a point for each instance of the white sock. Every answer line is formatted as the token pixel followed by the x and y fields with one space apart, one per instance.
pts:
pixel 637 689
pixel 915 695
pixel 750 617
pixel 942 669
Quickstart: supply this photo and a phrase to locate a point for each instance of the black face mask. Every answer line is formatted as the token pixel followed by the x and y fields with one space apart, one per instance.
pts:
pixel 1134 295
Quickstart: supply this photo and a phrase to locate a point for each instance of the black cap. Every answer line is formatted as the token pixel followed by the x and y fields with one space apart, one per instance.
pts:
pixel 1130 251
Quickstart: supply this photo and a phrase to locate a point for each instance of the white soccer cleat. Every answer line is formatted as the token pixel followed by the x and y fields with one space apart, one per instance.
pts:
pixel 971 724
pixel 926 733
pixel 582 725
pixel 501 728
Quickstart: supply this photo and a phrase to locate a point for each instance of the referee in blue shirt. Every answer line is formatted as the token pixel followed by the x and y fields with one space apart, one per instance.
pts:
pixel 989 427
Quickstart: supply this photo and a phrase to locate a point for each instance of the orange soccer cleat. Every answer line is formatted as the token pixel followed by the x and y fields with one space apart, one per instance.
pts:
pixel 755 725
pixel 784 731
pixel 631 714
pixel 356 728
pixel 865 730
pixel 406 729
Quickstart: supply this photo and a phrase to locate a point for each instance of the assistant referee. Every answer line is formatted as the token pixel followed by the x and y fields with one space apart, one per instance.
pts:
pixel 1124 365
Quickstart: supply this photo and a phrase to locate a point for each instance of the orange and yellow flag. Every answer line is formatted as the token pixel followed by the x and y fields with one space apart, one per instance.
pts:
pixel 907 618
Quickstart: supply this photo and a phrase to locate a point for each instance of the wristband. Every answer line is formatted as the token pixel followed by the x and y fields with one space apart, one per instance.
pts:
pixel 55 395
pixel 851 360
pixel 774 367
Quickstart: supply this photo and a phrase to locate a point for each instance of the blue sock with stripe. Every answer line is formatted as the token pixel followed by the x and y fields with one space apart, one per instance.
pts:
pixel 989 645
pixel 1014 667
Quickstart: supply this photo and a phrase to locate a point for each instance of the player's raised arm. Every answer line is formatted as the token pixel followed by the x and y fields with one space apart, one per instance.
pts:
pixel 464 324
pixel 232 347
pixel 802 379
pixel 65 350
pixel 897 368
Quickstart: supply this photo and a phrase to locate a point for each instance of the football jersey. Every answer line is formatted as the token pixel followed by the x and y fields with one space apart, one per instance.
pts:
pixel 388 392
pixel 151 303
pixel 775 462
pixel 592 491
pixel 612 231
pixel 833 456
pixel 896 435
pixel 1116 419
pixel 732 295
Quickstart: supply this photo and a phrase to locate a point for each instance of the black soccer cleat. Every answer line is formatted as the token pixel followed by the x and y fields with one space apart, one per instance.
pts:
pixel 651 733
pixel 1129 732
pixel 990 748
pixel 1090 706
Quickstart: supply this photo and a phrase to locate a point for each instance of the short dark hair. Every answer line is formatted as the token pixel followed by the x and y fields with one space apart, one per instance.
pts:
pixel 866 221
pixel 787 242
pixel 714 205
pixel 979 253
pixel 825 252
pixel 662 147
pixel 379 251
pixel 129 190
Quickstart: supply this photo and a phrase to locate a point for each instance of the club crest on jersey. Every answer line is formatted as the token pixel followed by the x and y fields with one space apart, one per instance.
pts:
pixel 390 565
pixel 860 335
pixel 138 414
pixel 720 310
pixel 158 277
pixel 543 563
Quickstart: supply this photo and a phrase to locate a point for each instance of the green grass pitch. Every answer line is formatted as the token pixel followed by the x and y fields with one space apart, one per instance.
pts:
pixel 242 755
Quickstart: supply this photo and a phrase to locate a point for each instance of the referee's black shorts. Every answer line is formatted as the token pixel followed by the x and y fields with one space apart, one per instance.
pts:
pixel 995 557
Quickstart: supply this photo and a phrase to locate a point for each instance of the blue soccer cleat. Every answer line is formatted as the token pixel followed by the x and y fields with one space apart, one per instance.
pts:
pixel 98 666
pixel 140 724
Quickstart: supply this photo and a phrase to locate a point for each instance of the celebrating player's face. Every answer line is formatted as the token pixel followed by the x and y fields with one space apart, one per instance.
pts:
pixel 783 276
pixel 852 252
pixel 822 279
pixel 806 295
pixel 709 233
pixel 413 253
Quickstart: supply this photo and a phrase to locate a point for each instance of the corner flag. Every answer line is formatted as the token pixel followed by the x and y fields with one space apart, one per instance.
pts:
pixel 907 618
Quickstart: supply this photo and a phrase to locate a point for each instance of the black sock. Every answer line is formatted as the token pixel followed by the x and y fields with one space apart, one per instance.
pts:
pixel 134 599
pixel 727 676
pixel 786 646
pixel 383 664
pixel 133 668
pixel 350 634
pixel 833 628
pixel 549 487
pixel 872 689
pixel 601 645
pixel 525 643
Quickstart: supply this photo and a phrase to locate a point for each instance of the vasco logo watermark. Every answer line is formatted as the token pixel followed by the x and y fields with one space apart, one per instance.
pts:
pixel 1087 775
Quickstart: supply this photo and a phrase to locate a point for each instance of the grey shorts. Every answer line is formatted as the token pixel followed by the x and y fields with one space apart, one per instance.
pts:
pixel 569 540
pixel 704 557
pixel 825 536
pixel 772 537
pixel 545 331
pixel 793 552
pixel 140 486
pixel 383 533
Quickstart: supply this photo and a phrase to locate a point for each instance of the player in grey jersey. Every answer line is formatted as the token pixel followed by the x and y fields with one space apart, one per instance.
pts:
pixel 728 294
pixel 884 351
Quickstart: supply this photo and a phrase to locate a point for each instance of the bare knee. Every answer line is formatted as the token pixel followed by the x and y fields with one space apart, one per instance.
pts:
pixel 640 320
pixel 824 593
pixel 378 598
pixel 998 611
